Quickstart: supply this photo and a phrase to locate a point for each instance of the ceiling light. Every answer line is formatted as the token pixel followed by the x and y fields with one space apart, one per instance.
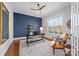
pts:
pixel 38 11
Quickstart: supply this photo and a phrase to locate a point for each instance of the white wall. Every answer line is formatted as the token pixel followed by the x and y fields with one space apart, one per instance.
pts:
pixel 5 45
pixel 65 11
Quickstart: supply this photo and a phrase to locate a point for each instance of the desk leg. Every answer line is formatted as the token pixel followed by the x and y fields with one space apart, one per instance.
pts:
pixel 27 41
pixel 43 38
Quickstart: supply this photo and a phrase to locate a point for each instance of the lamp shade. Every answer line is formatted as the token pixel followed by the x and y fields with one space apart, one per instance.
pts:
pixel 41 28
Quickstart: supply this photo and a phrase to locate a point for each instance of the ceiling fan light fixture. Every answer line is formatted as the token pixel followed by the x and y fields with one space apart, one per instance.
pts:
pixel 38 11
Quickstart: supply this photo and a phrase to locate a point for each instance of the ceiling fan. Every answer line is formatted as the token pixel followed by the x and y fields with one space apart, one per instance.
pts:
pixel 39 8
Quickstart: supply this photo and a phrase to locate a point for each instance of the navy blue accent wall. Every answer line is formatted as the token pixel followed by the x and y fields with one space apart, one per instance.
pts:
pixel 21 21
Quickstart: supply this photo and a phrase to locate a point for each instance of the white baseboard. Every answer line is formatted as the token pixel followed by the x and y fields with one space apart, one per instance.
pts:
pixel 4 47
pixel 19 38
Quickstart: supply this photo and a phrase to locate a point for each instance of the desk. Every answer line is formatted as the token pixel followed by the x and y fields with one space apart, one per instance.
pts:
pixel 27 37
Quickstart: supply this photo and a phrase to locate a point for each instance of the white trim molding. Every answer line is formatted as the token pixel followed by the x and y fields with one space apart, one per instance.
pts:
pixel 4 47
pixel 18 38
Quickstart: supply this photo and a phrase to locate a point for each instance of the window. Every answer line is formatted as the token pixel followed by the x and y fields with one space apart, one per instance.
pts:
pixel 55 24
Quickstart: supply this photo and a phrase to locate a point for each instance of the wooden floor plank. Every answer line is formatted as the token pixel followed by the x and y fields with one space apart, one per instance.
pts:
pixel 13 49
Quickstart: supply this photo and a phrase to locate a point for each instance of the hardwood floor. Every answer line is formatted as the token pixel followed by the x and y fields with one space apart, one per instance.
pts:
pixel 13 49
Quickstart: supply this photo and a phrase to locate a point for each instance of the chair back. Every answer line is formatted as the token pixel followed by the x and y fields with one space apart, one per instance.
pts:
pixel 65 38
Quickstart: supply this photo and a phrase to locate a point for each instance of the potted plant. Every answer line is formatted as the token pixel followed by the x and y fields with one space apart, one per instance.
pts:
pixel 30 29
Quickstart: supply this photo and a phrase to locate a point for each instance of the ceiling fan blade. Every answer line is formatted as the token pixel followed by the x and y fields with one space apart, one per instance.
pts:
pixel 42 7
pixel 34 9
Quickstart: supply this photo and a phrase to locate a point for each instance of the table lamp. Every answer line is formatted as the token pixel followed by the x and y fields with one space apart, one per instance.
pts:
pixel 41 29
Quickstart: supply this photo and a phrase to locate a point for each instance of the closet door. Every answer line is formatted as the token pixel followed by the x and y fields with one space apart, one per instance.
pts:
pixel 75 29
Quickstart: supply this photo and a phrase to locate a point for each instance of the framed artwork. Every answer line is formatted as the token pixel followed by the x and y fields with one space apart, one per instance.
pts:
pixel 69 23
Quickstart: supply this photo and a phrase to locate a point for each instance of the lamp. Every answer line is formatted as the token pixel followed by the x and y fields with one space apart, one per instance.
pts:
pixel 39 11
pixel 41 29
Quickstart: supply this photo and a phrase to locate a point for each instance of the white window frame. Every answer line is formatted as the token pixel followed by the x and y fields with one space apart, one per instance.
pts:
pixel 51 19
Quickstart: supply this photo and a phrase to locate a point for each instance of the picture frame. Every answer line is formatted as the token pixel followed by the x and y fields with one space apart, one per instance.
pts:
pixel 69 24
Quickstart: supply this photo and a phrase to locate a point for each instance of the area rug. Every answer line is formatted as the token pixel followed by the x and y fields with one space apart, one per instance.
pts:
pixel 39 48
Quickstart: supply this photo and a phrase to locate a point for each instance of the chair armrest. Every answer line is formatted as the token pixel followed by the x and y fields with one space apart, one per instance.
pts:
pixel 52 43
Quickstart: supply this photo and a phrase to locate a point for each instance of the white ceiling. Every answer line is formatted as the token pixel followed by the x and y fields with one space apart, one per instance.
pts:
pixel 24 7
